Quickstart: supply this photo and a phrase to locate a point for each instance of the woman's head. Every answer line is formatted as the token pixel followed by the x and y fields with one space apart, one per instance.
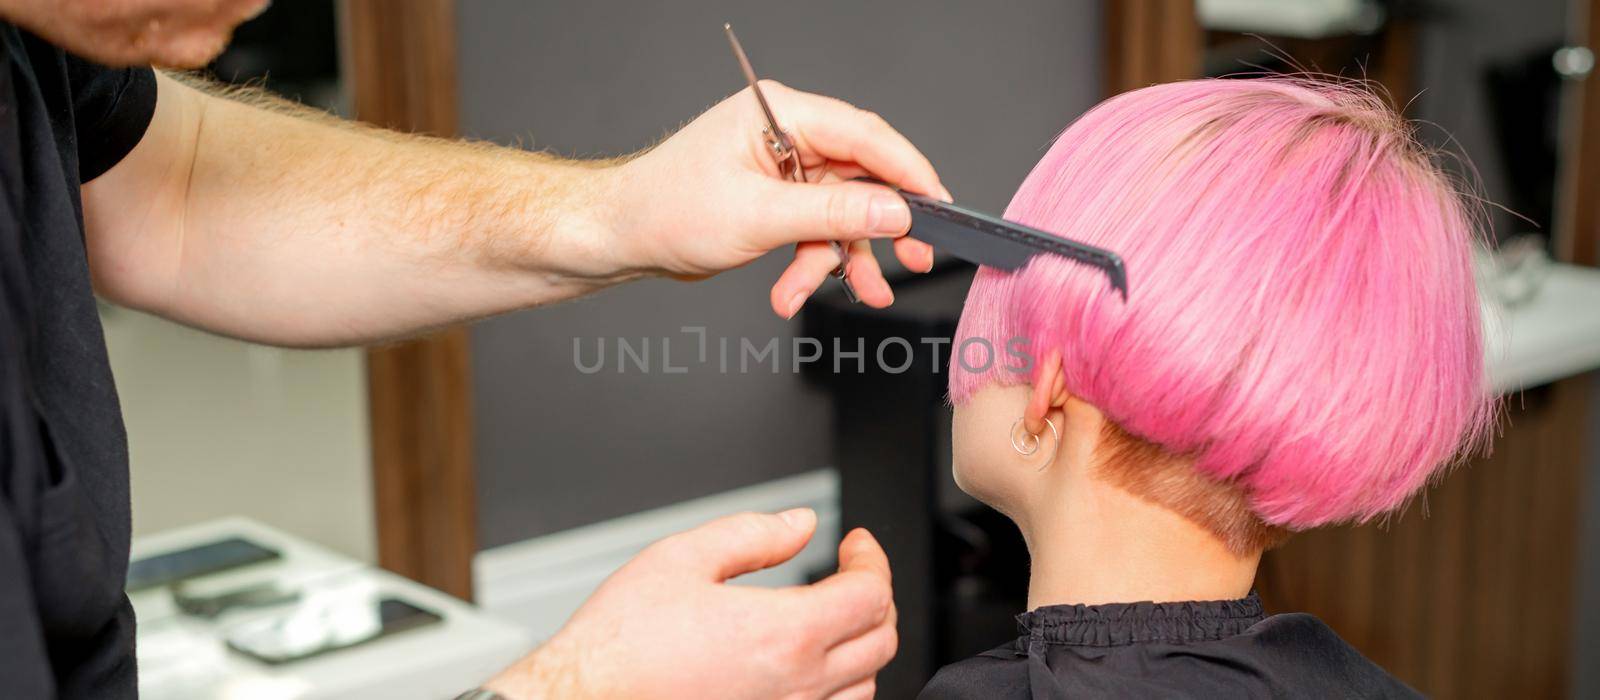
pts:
pixel 1302 331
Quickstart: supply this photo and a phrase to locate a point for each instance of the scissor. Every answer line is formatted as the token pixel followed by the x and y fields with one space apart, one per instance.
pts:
pixel 965 233
pixel 788 158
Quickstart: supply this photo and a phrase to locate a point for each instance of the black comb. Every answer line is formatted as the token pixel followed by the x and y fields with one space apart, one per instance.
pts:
pixel 990 240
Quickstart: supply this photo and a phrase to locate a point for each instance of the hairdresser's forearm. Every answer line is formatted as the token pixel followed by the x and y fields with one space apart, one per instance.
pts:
pixel 300 230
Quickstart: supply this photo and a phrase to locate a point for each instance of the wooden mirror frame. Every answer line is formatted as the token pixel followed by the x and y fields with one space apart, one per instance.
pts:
pixel 400 62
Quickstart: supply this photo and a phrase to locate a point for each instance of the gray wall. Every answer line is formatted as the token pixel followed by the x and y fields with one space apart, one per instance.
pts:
pixel 980 87
pixel 1455 48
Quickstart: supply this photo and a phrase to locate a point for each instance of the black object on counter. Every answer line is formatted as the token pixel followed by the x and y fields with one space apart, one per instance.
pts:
pixel 162 569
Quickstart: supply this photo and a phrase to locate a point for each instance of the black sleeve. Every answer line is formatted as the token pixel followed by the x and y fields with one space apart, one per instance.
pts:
pixel 24 665
pixel 111 108
pixel 25 668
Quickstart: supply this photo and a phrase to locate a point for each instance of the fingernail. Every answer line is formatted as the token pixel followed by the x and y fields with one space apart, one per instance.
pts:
pixel 947 196
pixel 890 215
pixel 798 518
pixel 795 302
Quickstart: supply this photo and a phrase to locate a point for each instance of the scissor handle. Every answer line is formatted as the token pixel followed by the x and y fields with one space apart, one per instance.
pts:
pixel 787 156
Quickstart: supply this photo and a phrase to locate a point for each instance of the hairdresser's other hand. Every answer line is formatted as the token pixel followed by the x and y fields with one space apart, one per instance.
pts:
pixel 709 198
pixel 667 625
pixel 167 33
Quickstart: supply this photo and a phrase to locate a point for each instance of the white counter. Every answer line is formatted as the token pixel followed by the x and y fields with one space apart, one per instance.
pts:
pixel 185 658
pixel 1553 336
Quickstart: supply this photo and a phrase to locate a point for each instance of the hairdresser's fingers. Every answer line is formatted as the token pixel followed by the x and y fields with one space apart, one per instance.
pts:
pixel 174 16
pixel 836 171
pixel 790 212
pixel 859 552
pixel 813 262
pixel 189 37
pixel 866 277
pixel 863 690
pixel 840 131
pixel 736 544
pixel 860 659
pixel 914 254
pixel 222 14
pixel 857 599
pixel 190 50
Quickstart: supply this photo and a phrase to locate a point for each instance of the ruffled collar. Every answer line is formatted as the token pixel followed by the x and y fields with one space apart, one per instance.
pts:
pixel 1118 624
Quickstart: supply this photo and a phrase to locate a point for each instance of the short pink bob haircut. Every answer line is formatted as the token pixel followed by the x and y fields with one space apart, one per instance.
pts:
pixel 1303 321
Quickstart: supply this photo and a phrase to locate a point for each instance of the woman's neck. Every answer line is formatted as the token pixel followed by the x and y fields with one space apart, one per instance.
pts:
pixel 1095 543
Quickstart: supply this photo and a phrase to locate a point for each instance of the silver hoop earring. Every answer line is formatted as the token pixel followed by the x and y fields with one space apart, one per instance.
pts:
pixel 1026 450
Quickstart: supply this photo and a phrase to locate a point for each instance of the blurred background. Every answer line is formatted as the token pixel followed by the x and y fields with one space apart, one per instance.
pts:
pixel 483 463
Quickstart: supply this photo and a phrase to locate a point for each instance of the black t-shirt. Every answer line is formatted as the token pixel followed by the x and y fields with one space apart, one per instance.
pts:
pixel 1208 649
pixel 66 628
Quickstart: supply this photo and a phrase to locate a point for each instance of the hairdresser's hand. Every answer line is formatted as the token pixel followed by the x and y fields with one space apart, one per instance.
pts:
pixel 709 198
pixel 169 33
pixel 666 625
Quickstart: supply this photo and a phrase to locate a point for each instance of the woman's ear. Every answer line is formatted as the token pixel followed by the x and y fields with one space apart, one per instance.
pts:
pixel 1049 393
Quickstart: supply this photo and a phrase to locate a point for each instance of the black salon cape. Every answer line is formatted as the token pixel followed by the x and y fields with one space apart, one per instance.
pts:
pixel 66 628
pixel 1212 649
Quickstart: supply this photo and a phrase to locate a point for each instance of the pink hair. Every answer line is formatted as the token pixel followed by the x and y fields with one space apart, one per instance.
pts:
pixel 1302 319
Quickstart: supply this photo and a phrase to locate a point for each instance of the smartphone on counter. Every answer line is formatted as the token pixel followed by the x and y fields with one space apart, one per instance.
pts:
pixel 301 635
pixel 209 558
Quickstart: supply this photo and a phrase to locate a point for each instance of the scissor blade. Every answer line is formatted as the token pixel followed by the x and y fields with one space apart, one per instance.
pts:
pixel 783 151
pixel 750 76
pixel 738 52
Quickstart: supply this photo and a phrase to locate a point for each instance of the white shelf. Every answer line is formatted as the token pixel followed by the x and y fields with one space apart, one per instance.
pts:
pixel 1553 336
pixel 185 658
